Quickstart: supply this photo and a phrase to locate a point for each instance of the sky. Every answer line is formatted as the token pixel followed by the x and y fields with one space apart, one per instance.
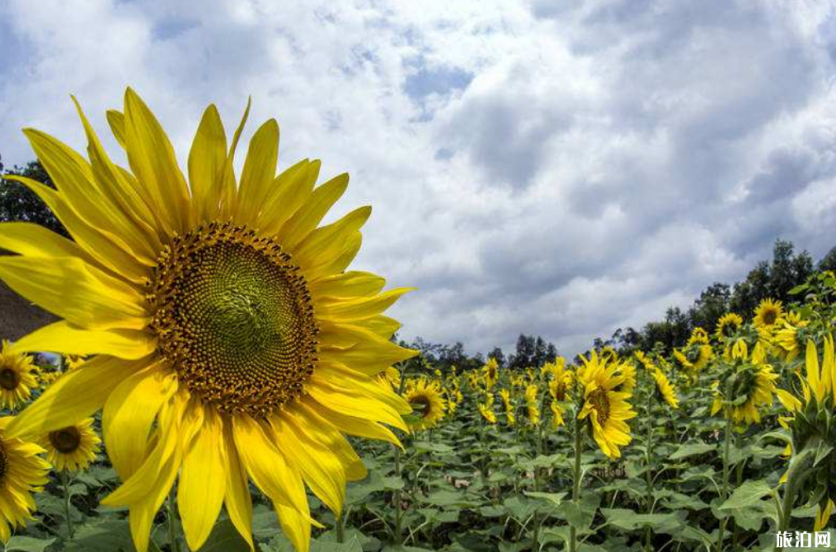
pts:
pixel 543 167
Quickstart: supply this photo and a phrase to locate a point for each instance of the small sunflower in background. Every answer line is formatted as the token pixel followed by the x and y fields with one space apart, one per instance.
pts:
pixel 532 404
pixel 17 377
pixel 785 336
pixel 606 409
pixel 728 326
pixel 749 387
pixel 768 313
pixel 698 335
pixel 428 404
pixel 72 448
pixel 490 373
pixel 628 370
pixel 664 388
pixel 557 415
pixel 486 410
pixel 22 472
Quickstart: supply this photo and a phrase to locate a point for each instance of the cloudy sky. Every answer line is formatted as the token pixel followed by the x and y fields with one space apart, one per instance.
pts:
pixel 551 167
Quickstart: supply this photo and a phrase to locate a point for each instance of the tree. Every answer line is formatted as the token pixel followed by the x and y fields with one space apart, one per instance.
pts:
pixel 19 204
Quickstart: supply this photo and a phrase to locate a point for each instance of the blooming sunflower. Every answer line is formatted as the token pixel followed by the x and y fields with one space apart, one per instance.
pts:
pixel 490 373
pixel 428 404
pixel 22 472
pixel 768 313
pixel 532 404
pixel 557 415
pixel 17 377
pixel 699 335
pixel 664 388
pixel 785 336
pixel 486 410
pixel 749 387
pixel 230 342
pixel 728 325
pixel 606 408
pixel 508 404
pixel 72 448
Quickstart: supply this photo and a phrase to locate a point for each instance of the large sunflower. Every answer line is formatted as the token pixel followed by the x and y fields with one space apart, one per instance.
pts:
pixel 72 448
pixel 231 343
pixel 17 377
pixel 22 472
pixel 427 402
pixel 606 408
pixel 749 387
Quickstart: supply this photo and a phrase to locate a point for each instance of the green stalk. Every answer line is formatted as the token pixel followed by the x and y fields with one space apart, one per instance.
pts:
pixel 397 500
pixel 172 523
pixel 65 484
pixel 796 475
pixel 576 481
pixel 647 476
pixel 725 495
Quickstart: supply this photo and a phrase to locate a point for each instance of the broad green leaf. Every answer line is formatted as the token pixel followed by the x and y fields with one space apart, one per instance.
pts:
pixel 27 544
pixel 748 494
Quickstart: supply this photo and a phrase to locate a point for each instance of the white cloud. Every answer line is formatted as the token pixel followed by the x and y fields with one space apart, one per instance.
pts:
pixel 561 172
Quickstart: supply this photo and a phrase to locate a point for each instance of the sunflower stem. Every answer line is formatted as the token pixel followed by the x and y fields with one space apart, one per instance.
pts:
pixel 726 474
pixel 172 523
pixel 65 484
pixel 396 496
pixel 576 481
pixel 647 459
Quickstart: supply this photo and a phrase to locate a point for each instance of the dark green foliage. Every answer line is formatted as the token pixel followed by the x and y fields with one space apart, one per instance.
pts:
pixel 19 204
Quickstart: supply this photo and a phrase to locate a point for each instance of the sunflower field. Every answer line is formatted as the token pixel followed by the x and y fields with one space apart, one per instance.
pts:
pixel 220 380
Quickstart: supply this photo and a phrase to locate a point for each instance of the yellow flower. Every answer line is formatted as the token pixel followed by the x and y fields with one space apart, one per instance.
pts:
pixel 561 384
pixel 490 373
pixel 532 404
pixel 768 313
pixel 664 388
pixel 486 410
pixel 699 335
pixel 823 516
pixel 645 360
pixel 71 362
pixel 427 403
pixel 508 404
pixel 606 408
pixel 628 370
pixel 728 325
pixel 557 415
pixel 22 472
pixel 695 357
pixel 231 344
pixel 72 448
pixel 750 387
pixel 786 336
pixel 390 379
pixel 17 377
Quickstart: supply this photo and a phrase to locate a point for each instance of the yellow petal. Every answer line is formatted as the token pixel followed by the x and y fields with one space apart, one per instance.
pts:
pixel 237 498
pixel 128 414
pixel 63 337
pixel 290 190
pixel 142 512
pixel 348 284
pixel 206 164
pixel 227 191
pixel 813 375
pixel 358 309
pixel 33 240
pixel 76 291
pixel 74 396
pixel 369 356
pixel 116 120
pixel 109 250
pixel 259 171
pixel 154 163
pixel 321 430
pixel 200 492
pixel 312 212
pixel 262 460
pixel 351 425
pixel 325 244
pixel 321 470
pixel 353 402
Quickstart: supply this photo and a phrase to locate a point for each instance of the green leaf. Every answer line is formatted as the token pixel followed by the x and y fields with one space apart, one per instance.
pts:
pixel 629 520
pixel 748 494
pixel 102 535
pixel 225 538
pixel 691 449
pixel 555 499
pixel 27 544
